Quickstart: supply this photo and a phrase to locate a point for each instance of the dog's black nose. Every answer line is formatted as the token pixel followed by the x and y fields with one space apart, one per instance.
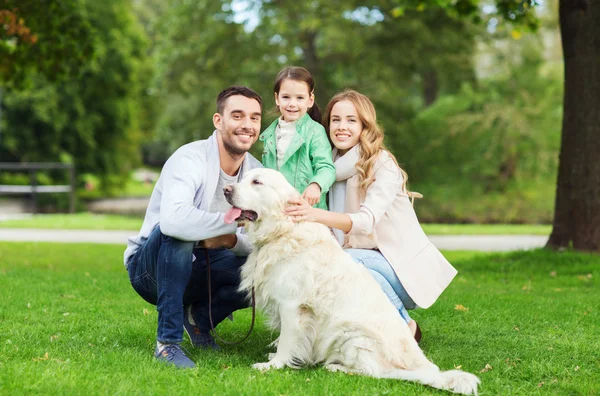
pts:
pixel 228 190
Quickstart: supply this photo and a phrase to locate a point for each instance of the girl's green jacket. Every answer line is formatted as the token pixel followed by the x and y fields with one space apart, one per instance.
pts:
pixel 308 157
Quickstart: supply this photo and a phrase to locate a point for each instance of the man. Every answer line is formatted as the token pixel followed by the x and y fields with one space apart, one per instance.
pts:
pixel 184 220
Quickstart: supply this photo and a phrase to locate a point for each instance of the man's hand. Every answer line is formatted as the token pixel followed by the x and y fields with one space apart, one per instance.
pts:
pixel 312 194
pixel 223 241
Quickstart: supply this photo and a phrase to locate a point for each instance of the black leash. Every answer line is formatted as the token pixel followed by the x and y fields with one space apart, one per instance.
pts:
pixel 212 326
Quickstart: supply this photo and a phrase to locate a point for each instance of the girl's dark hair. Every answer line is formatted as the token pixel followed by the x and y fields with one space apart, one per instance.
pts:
pixel 298 73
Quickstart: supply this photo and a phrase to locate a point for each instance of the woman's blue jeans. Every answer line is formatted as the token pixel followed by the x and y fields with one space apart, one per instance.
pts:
pixel 162 273
pixel 384 274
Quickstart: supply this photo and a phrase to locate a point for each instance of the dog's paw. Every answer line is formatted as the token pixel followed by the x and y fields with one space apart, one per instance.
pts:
pixel 335 368
pixel 461 382
pixel 267 366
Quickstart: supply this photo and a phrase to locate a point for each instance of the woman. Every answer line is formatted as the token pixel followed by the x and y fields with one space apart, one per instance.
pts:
pixel 371 212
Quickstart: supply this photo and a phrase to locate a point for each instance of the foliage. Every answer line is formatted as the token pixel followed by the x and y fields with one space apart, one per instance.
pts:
pixel 505 311
pixel 404 61
pixel 149 91
pixel 499 132
pixel 79 221
pixel 93 120
pixel 51 38
pixel 427 51
pixel 518 12
pixel 339 42
pixel 488 153
pixel 193 65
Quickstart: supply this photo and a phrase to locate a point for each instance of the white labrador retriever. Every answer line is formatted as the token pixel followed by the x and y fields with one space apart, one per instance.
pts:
pixel 329 309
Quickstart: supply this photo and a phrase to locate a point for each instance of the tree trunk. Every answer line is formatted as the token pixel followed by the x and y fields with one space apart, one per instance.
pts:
pixel 577 210
pixel 430 87
pixel 313 64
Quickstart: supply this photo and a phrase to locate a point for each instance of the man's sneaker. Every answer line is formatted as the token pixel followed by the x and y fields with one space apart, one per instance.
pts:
pixel 172 354
pixel 199 339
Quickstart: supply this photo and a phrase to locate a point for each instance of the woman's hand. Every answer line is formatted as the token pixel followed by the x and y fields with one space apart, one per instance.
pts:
pixel 312 193
pixel 301 210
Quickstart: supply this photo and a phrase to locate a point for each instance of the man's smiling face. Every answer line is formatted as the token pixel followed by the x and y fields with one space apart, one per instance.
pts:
pixel 239 125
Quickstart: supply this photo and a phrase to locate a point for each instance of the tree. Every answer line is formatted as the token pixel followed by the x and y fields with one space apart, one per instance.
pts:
pixel 328 36
pixel 434 49
pixel 577 211
pixel 92 120
pixel 53 38
pixel 194 64
pixel 344 44
pixel 489 152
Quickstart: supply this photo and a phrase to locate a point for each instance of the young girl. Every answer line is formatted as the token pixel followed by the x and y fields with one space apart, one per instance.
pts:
pixel 371 211
pixel 296 144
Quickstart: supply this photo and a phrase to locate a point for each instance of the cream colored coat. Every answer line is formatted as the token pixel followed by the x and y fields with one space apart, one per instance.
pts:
pixel 385 219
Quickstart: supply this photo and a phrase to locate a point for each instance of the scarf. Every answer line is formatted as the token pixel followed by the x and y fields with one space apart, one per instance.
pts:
pixel 345 168
pixel 285 132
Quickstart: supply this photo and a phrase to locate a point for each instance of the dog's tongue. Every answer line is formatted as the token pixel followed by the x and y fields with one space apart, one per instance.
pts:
pixel 232 214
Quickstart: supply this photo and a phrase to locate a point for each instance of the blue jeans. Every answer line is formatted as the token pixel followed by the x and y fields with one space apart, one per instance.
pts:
pixel 163 274
pixel 384 274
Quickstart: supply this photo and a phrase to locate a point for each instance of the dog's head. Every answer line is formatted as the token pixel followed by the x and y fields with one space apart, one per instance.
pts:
pixel 259 198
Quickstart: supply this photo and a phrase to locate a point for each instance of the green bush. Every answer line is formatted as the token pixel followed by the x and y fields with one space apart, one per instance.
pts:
pixel 490 152
pixel 94 121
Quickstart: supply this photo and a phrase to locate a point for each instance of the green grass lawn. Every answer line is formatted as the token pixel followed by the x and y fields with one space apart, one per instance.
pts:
pixel 78 221
pixel 70 323
pixel 486 229
pixel 90 221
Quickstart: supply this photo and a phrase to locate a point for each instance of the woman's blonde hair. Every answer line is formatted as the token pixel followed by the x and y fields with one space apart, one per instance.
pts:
pixel 370 140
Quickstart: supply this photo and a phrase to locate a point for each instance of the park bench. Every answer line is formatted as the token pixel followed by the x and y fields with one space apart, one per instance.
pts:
pixel 33 188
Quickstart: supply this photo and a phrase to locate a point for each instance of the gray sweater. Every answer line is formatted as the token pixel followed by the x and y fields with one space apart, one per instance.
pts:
pixel 182 196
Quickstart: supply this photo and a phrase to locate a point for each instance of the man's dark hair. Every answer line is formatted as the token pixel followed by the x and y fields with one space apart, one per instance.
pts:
pixel 236 90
